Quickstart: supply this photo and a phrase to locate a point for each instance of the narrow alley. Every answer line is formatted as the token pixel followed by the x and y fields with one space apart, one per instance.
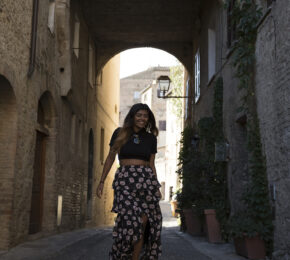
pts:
pixel 209 132
pixel 94 244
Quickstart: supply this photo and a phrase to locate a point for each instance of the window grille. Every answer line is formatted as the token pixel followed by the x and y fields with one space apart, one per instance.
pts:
pixel 162 125
pixel 51 14
pixel 231 26
pixel 197 76
pixel 269 2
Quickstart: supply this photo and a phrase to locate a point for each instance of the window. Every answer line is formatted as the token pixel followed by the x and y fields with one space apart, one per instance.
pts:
pixel 51 12
pixel 147 97
pixel 162 125
pixel 100 78
pixel 91 65
pixel 90 174
pixel 269 2
pixel 76 40
pixel 232 35
pixel 197 76
pixel 144 98
pixel 73 131
pixel 211 53
pixel 136 94
pixel 80 135
pixel 102 145
pixel 186 100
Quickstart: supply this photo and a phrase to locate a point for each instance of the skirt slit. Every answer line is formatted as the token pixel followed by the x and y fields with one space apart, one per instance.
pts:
pixel 136 193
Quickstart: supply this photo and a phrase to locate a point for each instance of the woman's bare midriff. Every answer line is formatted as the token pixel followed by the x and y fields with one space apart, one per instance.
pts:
pixel 124 162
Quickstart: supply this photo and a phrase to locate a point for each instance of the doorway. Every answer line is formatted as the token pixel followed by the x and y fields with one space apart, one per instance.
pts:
pixel 90 174
pixel 36 213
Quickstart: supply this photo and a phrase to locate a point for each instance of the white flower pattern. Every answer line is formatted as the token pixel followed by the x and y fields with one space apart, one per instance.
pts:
pixel 136 193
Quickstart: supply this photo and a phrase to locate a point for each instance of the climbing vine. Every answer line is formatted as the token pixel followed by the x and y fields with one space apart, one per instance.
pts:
pixel 176 75
pixel 220 192
pixel 204 183
pixel 214 172
pixel 257 218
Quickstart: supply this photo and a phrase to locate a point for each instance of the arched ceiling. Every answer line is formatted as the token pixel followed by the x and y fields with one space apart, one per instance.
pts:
pixel 118 25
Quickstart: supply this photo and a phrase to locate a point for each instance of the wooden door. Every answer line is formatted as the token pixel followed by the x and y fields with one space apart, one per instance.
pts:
pixel 90 175
pixel 38 184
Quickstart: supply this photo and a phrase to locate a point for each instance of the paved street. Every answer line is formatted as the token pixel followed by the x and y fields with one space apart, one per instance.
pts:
pixel 99 246
pixel 91 244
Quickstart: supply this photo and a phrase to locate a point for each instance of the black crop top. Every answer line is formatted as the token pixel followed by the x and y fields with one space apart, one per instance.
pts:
pixel 141 151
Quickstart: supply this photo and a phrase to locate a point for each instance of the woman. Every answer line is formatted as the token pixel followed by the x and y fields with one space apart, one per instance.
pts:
pixel 136 188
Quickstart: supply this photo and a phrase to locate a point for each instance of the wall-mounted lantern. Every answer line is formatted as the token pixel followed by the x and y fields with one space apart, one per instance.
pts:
pixel 195 142
pixel 163 90
pixel 222 152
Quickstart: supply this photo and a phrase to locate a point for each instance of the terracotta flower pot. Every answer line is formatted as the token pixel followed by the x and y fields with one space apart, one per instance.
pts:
pixel 192 222
pixel 250 247
pixel 212 226
pixel 173 204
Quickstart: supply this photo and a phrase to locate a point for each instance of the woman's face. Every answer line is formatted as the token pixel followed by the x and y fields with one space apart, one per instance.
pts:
pixel 141 118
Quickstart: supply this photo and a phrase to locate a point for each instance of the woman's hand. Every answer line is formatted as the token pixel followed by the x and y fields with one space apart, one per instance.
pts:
pixel 100 189
pixel 158 193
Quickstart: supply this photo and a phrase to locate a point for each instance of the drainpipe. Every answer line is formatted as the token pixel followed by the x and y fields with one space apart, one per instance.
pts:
pixel 33 38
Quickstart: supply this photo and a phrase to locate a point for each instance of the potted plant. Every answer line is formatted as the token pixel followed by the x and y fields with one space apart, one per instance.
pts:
pixel 213 178
pixel 189 195
pixel 173 204
pixel 249 235
pixel 213 230
pixel 190 216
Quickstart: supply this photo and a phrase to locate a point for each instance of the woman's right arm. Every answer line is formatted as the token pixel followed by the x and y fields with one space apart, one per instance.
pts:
pixel 107 167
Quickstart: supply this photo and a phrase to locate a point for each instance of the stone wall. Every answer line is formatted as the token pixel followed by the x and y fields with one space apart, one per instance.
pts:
pixel 56 100
pixel 107 118
pixel 272 87
pixel 14 53
pixel 213 17
pixel 273 92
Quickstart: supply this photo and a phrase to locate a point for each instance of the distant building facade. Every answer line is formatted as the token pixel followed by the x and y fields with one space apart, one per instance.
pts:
pixel 131 87
pixel 168 124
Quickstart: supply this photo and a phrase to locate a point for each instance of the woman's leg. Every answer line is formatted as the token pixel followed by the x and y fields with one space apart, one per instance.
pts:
pixel 139 244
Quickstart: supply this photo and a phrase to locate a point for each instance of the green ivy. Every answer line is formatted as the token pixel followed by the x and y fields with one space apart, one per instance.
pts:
pixel 189 172
pixel 204 184
pixel 176 75
pixel 215 173
pixel 257 216
pixel 220 192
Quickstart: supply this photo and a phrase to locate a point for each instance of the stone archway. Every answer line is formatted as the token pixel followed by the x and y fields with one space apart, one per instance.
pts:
pixel 8 142
pixel 43 198
pixel 167 25
pixel 184 55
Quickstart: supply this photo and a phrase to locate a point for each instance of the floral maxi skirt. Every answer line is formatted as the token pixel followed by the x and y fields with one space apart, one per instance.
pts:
pixel 136 193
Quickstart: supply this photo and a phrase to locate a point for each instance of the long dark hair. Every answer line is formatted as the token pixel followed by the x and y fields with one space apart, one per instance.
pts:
pixel 127 128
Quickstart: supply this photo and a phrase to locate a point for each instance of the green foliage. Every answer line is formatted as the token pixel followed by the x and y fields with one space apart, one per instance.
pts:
pixel 203 179
pixel 220 187
pixel 215 173
pixel 245 16
pixel 176 75
pixel 257 217
pixel 189 172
